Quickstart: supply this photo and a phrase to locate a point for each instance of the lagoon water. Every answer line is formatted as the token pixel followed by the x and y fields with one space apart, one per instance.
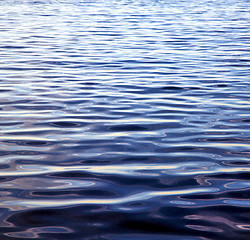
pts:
pixel 124 120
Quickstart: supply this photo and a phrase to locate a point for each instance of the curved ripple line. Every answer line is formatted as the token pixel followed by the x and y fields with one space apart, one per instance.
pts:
pixel 180 169
pixel 18 204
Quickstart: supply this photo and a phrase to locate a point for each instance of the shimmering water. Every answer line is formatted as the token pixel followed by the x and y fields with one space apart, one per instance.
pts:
pixel 124 119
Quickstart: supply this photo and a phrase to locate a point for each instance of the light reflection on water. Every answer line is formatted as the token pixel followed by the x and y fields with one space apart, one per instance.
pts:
pixel 144 170
pixel 124 119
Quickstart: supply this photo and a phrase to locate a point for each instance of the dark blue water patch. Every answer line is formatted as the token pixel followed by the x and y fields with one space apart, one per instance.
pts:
pixel 15 102
pixel 243 195
pixel 66 124
pixel 55 76
pixel 219 86
pixel 145 127
pixel 76 102
pixel 168 89
pixel 127 128
pixel 60 195
pixel 174 88
pixel 38 107
pixel 3 166
pixel 12 47
pixel 34 143
pixel 10 123
pixel 237 163
pixel 75 174
pixel 225 140
pixel 32 133
pixel 231 176
pixel 5 90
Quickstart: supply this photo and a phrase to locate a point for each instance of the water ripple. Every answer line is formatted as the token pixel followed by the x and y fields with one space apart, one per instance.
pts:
pixel 124 119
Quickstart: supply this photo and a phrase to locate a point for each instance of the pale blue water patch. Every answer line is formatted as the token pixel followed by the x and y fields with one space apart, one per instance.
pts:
pixel 124 119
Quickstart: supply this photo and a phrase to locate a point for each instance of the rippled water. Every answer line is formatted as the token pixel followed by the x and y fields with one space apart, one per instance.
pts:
pixel 124 119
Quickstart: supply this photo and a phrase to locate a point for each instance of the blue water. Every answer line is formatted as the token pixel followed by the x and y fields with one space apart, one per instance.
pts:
pixel 124 120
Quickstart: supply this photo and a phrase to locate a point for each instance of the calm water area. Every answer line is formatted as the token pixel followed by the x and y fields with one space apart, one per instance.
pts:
pixel 124 119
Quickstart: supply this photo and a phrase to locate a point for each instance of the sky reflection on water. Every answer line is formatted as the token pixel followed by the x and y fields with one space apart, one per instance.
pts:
pixel 124 119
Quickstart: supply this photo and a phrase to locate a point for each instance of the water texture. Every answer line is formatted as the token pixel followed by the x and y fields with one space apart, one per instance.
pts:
pixel 124 120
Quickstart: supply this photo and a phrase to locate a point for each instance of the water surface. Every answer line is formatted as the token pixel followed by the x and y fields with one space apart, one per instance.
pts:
pixel 124 119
